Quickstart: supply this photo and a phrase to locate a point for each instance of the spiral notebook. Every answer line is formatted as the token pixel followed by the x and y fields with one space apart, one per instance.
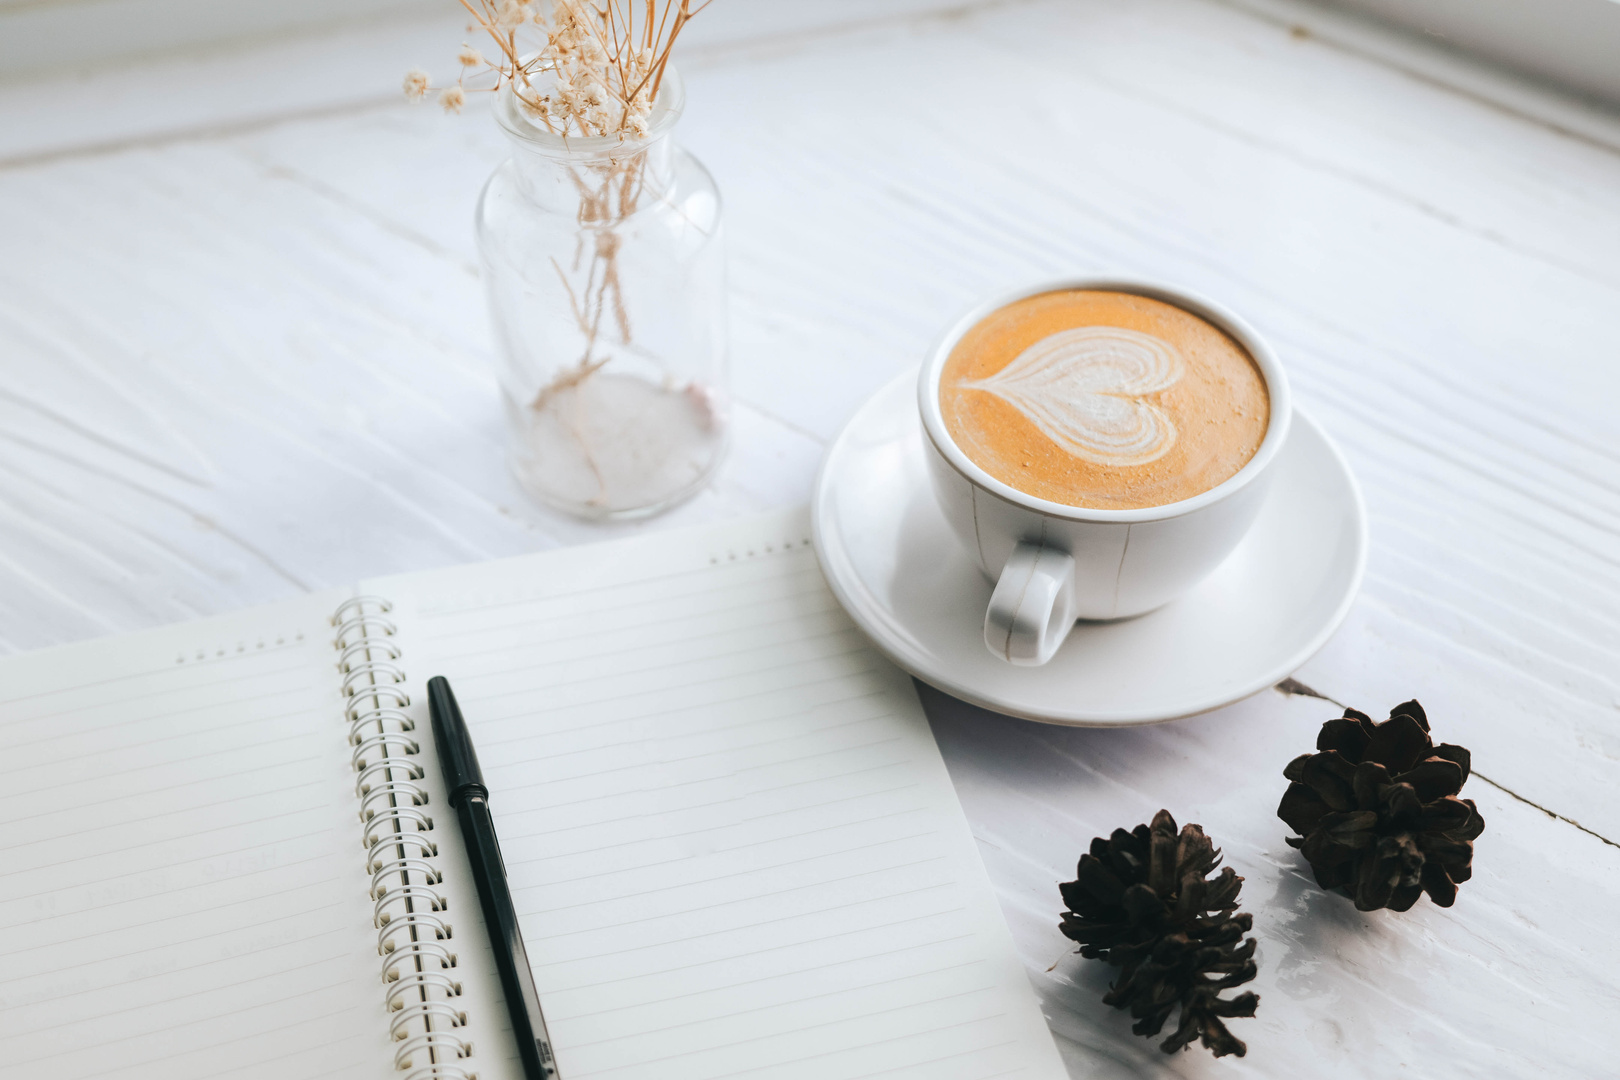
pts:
pixel 733 844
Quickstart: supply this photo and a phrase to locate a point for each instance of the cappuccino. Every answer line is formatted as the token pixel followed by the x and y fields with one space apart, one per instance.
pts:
pixel 1103 399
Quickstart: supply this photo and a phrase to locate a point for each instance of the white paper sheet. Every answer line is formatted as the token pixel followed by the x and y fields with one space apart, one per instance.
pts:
pixel 733 843
pixel 184 889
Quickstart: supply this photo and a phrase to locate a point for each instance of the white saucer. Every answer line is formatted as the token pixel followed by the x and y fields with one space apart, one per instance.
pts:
pixel 906 580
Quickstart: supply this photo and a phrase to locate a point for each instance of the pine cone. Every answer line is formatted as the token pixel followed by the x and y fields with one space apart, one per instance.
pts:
pixel 1377 812
pixel 1141 900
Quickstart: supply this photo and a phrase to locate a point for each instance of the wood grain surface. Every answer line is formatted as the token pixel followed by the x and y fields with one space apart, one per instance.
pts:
pixel 243 353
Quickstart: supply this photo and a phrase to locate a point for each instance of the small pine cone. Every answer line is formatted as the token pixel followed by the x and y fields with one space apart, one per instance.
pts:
pixel 1376 810
pixel 1142 900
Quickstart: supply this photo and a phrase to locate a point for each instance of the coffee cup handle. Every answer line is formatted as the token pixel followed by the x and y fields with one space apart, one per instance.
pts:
pixel 1032 610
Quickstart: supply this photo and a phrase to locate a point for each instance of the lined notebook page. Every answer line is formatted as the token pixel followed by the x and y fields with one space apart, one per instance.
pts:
pixel 733 843
pixel 184 891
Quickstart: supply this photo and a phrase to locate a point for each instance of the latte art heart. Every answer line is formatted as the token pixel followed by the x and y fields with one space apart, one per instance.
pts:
pixel 1083 389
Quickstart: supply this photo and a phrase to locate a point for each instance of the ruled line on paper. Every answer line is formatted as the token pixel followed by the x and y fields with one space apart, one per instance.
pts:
pixel 78 912
pixel 820 706
pixel 637 636
pixel 542 809
pixel 684 858
pixel 693 684
pixel 796 736
pixel 938 1060
pixel 89 778
pixel 882 1042
pixel 491 653
pixel 632 604
pixel 812 1057
pixel 616 795
pixel 775 977
pixel 643 604
pixel 688 687
pixel 735 927
pixel 753 820
pixel 444 610
pixel 595 626
pixel 183 862
pixel 150 673
pixel 775 948
pixel 161 714
pixel 757 768
pixel 602 727
pixel 775 839
pixel 346 1069
pixel 649 602
pixel 704 806
pixel 867 666
pixel 104 957
pixel 122 849
pixel 236 774
pixel 741 899
pixel 801 1001
pixel 924 974
pixel 843 631
pixel 255 1007
pixel 123 1067
pixel 122 750
pixel 151 1002
pixel 115 846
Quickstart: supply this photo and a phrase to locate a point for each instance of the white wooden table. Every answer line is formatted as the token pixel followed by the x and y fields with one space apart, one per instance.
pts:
pixel 243 353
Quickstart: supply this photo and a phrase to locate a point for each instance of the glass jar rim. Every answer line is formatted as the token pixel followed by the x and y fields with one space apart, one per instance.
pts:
pixel 532 135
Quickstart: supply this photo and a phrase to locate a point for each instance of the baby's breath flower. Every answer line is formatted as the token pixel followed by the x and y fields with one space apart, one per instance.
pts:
pixel 512 14
pixel 452 98
pixel 416 84
pixel 604 69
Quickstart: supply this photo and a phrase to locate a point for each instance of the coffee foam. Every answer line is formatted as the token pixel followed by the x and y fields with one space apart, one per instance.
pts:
pixel 1083 388
pixel 1103 399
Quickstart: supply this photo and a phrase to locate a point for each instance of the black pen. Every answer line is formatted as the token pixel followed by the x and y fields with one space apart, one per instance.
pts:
pixel 465 785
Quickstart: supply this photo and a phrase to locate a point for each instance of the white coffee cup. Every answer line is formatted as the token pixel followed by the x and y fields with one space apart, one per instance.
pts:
pixel 1054 564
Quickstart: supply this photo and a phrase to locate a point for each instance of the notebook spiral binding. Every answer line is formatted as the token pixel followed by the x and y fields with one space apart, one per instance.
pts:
pixel 413 937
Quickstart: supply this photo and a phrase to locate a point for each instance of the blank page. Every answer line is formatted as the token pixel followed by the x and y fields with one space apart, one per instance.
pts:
pixel 733 843
pixel 185 892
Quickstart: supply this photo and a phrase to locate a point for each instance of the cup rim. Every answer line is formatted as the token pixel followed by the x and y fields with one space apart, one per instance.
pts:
pixel 1271 370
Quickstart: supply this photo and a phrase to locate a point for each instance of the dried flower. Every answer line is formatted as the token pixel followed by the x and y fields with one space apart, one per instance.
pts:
pixel 416 84
pixel 606 58
pixel 452 98
pixel 512 14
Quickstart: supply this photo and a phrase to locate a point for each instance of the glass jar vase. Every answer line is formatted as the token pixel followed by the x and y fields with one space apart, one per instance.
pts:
pixel 604 265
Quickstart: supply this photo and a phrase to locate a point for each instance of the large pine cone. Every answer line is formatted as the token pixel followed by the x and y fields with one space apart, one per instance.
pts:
pixel 1377 812
pixel 1141 900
